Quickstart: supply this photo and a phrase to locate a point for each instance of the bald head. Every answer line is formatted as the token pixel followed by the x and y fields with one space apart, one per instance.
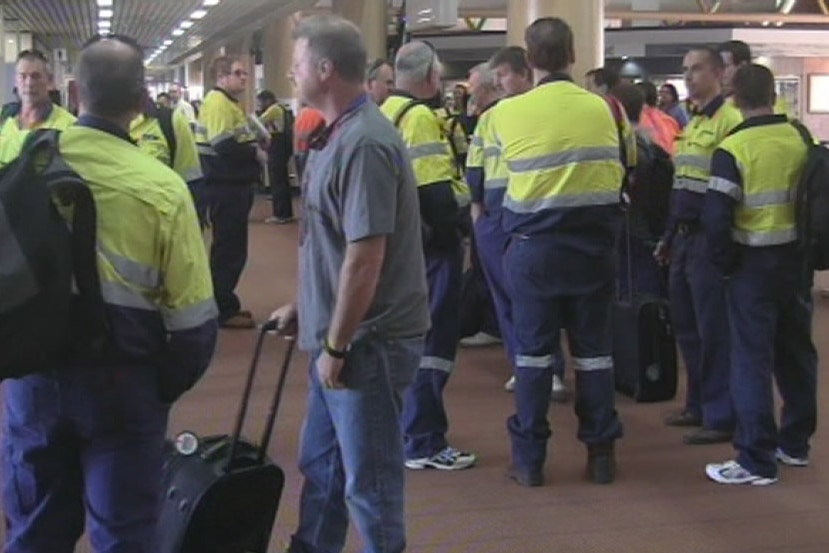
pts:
pixel 111 78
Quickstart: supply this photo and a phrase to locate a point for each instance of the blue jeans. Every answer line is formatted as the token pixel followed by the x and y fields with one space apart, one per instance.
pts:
pixel 352 451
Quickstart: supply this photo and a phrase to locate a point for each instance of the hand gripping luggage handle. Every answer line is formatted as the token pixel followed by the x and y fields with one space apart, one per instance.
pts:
pixel 243 406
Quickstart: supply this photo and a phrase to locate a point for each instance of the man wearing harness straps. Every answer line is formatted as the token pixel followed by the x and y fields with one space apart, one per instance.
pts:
pixel 417 72
pixel 229 159
pixel 561 148
pixel 695 287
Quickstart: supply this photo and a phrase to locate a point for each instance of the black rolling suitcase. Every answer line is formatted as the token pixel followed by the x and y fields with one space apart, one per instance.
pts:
pixel 644 346
pixel 222 492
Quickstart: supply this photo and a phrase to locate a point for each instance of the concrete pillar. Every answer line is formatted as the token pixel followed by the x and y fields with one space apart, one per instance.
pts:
pixel 371 16
pixel 585 17
pixel 277 52
pixel 5 93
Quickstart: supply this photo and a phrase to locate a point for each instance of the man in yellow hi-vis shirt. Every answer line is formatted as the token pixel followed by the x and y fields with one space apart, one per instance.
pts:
pixel 417 73
pixel 86 439
pixel 34 80
pixel 227 148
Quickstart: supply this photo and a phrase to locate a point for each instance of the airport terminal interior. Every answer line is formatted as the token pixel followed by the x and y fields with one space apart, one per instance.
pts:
pixel 661 500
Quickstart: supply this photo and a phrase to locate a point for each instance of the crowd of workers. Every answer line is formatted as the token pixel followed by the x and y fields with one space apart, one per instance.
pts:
pixel 531 169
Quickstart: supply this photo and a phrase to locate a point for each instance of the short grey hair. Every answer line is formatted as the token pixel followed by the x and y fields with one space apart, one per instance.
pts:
pixel 414 61
pixel 489 77
pixel 338 40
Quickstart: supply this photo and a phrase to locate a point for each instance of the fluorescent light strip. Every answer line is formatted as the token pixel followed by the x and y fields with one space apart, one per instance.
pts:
pixel 211 2
pixel 186 24
pixel 198 14
pixel 104 3
pixel 178 32
pixel 105 14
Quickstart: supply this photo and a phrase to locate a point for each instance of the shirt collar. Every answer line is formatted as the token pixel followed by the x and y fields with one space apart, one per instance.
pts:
pixel 488 107
pixel 554 78
pixel 100 124
pixel 711 107
pixel 321 138
pixel 760 121
pixel 225 92
pixel 43 113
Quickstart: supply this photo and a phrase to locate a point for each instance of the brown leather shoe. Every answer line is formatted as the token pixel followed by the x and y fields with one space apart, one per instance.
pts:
pixel 238 322
pixel 683 418
pixel 705 436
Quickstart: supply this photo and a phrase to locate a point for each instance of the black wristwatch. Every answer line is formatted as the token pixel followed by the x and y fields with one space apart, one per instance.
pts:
pixel 335 353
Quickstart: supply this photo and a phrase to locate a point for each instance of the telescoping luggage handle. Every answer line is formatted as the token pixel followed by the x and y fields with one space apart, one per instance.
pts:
pixel 270 326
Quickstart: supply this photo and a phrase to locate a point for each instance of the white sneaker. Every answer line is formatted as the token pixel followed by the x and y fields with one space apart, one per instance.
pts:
pixel 479 340
pixel 731 472
pixel 447 459
pixel 786 459
pixel 560 393
pixel 509 385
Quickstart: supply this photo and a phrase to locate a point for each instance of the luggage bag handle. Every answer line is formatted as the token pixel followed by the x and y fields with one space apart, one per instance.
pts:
pixel 277 397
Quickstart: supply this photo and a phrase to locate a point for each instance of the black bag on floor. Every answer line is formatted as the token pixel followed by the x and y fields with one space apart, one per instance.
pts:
pixel 221 493
pixel 644 346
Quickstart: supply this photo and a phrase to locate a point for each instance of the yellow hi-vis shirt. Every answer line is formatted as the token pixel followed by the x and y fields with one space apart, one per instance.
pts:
pixel 225 141
pixel 12 137
pixel 146 131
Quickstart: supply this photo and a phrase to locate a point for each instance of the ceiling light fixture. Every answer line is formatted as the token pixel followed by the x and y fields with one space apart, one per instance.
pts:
pixel 167 42
pixel 178 32
pixel 104 24
pixel 104 3
pixel 186 24
pixel 105 14
pixel 211 2
pixel 198 14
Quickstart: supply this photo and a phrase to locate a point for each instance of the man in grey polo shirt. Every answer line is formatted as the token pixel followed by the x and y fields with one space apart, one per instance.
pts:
pixel 363 306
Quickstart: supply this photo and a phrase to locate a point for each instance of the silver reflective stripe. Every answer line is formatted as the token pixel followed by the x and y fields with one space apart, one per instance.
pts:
pixel 219 138
pixel 17 283
pixel 492 151
pixel 463 200
pixel 534 361
pixel 492 184
pixel 426 150
pixel 766 199
pixel 206 150
pixel 437 363
pixel 189 317
pixel 194 173
pixel 593 363
pixel 692 185
pixel 555 202
pixel 132 271
pixel 773 238
pixel 477 141
pixel 116 293
pixel 702 163
pixel 559 159
pixel 725 186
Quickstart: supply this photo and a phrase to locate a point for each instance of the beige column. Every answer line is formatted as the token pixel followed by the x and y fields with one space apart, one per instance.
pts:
pixel 195 79
pixel 277 51
pixel 585 17
pixel 372 17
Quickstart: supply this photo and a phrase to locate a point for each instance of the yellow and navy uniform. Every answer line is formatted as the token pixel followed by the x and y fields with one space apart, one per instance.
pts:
pixel 273 119
pixel 226 144
pixel 151 258
pixel 707 128
pixel 751 194
pixel 486 172
pixel 12 137
pixel 441 192
pixel 146 131
pixel 565 160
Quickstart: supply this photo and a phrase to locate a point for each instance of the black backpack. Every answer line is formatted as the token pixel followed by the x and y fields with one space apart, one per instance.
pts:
pixel 812 204
pixel 45 321
pixel 650 188
pixel 165 121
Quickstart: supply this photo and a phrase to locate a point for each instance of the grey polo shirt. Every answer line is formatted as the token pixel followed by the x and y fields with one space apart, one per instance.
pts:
pixel 360 184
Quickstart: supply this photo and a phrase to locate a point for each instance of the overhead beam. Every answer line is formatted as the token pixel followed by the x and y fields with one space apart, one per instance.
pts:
pixel 774 17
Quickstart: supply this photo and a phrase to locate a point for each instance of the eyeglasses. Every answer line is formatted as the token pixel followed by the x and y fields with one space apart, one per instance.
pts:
pixel 239 73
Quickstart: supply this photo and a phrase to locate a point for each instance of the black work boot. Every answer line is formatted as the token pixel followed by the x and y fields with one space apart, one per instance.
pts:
pixel 601 463
pixel 530 478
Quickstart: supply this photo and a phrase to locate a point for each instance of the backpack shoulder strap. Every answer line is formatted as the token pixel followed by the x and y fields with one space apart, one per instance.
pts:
pixel 804 133
pixel 402 113
pixel 165 121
